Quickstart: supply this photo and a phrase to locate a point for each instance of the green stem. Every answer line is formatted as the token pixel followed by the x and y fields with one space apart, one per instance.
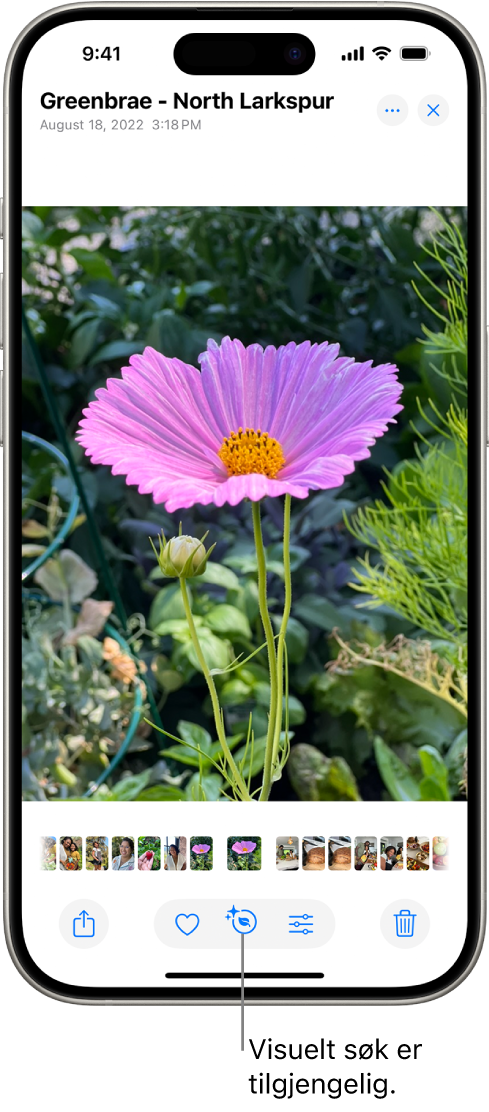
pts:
pixel 283 630
pixel 272 659
pixel 239 782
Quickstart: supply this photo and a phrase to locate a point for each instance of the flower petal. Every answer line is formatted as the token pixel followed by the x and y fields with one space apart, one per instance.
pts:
pixel 163 423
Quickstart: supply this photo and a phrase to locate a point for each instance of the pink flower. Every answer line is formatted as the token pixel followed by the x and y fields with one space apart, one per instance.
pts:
pixel 252 422
pixel 201 849
pixel 244 847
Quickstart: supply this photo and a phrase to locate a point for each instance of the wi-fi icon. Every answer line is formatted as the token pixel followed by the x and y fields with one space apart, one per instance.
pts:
pixel 381 52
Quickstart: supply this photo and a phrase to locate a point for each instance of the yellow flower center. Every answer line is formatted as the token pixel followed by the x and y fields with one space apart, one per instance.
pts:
pixel 247 452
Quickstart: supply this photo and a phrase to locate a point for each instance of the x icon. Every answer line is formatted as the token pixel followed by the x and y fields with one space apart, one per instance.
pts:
pixel 433 110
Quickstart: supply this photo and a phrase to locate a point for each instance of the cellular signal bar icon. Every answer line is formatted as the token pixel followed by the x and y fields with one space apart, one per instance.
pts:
pixel 354 56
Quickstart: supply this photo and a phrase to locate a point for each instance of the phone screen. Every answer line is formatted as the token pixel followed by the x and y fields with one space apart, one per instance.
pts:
pixel 241 307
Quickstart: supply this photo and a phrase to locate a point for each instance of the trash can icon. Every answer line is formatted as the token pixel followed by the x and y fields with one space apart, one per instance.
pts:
pixel 405 923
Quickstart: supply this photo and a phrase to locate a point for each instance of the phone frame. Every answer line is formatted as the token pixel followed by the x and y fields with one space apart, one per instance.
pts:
pixel 11 412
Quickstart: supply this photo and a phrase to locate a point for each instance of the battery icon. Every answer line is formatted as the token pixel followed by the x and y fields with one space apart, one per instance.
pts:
pixel 414 53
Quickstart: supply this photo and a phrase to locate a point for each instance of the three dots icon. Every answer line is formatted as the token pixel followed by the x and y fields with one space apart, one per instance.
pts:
pixel 392 110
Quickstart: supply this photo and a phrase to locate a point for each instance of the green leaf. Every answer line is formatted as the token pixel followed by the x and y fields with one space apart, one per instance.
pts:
pixel 234 692
pixel 454 761
pixel 217 653
pixel 108 309
pixel 32 550
pixel 83 341
pixel 210 785
pixel 117 349
pixel 63 775
pixel 319 612
pixel 297 711
pixel 397 779
pixel 220 576
pixel 297 638
pixel 431 791
pixel 228 619
pixel 178 628
pixel 166 605
pixel 32 227
pixel 65 575
pixel 255 765
pixel 161 793
pixel 316 777
pixel 251 603
pixel 184 755
pixel 130 786
pixel 435 774
pixel 166 677
pixel 93 263
pixel 197 735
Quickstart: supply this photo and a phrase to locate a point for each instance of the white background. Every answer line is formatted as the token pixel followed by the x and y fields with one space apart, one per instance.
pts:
pixel 60 1057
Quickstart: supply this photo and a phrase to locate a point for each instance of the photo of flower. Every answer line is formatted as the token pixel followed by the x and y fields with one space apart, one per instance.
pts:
pixel 212 446
pixel 201 853
pixel 244 854
pixel 262 413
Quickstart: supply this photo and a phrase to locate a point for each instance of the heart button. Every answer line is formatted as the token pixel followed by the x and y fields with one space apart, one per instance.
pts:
pixel 187 924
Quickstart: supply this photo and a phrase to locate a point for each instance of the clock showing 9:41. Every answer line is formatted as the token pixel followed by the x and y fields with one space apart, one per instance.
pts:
pixel 106 54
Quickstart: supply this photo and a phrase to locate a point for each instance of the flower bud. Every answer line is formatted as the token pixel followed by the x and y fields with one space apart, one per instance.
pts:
pixel 183 557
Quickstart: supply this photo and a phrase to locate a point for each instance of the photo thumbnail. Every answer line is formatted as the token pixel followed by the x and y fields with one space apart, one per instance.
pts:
pixel 123 854
pixel 201 853
pixel 365 854
pixel 313 852
pixel 96 854
pixel 287 853
pixel 149 853
pixel 48 853
pixel 70 853
pixel 418 854
pixel 244 854
pixel 391 853
pixel 339 853
pixel 175 853
pixel 440 854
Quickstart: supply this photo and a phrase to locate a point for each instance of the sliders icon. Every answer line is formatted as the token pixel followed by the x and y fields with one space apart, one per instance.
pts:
pixel 301 924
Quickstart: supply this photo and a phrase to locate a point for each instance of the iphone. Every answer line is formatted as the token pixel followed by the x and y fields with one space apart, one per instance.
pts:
pixel 244 425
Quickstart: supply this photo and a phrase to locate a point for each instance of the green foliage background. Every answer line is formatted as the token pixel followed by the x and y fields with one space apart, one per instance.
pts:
pixel 102 283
